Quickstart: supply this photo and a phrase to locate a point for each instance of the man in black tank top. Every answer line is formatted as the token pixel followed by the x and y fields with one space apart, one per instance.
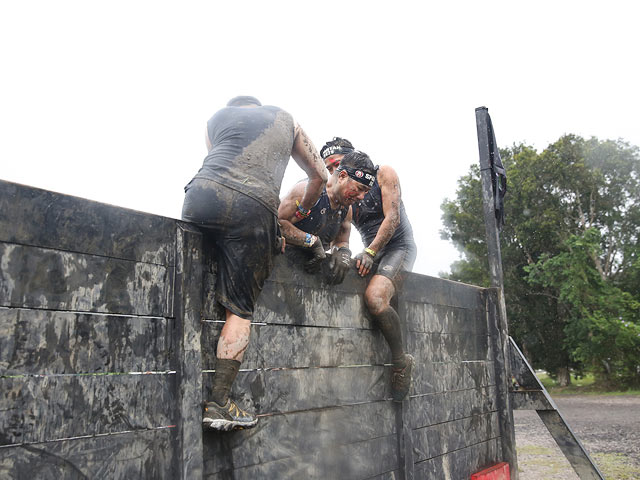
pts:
pixel 234 200
pixel 389 251
pixel 328 222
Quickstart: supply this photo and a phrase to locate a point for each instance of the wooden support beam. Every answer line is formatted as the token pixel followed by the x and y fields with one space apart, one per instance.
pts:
pixel 535 397
pixel 188 316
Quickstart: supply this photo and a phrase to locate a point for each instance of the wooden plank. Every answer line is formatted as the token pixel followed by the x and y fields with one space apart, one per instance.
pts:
pixel 405 411
pixel 188 358
pixel 460 464
pixel 423 289
pixel 344 462
pixel 441 438
pixel 432 318
pixel 146 454
pixel 31 216
pixel 530 400
pixel 450 347
pixel 288 272
pixel 50 342
pixel 499 334
pixel 448 406
pixel 288 390
pixel 37 409
pixel 570 445
pixel 35 277
pixel 292 346
pixel 291 304
pixel 440 377
pixel 297 434
pixel 392 475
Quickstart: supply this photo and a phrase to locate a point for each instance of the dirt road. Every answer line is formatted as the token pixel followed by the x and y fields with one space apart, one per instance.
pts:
pixel 608 427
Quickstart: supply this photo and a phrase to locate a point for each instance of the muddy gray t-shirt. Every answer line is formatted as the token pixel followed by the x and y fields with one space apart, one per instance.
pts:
pixel 250 151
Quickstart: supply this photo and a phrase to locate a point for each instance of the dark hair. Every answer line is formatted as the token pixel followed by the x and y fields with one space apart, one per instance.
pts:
pixel 242 101
pixel 344 146
pixel 360 161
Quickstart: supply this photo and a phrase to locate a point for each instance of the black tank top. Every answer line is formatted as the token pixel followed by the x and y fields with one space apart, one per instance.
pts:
pixel 250 151
pixel 368 216
pixel 323 221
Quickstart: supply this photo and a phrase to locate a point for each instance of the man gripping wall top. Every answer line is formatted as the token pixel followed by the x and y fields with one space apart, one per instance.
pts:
pixel 328 222
pixel 390 250
pixel 234 200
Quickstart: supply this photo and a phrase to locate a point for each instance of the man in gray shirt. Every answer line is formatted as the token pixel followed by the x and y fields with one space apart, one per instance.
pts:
pixel 234 199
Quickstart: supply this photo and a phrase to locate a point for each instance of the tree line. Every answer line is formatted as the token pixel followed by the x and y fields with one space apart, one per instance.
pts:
pixel 570 253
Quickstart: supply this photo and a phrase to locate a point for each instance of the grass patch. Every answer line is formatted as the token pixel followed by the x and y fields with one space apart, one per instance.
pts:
pixel 617 466
pixel 542 460
pixel 586 385
pixel 534 450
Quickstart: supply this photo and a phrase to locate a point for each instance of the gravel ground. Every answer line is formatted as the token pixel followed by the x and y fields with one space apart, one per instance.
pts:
pixel 607 426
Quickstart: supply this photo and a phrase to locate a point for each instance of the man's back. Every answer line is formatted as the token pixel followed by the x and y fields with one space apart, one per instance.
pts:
pixel 250 148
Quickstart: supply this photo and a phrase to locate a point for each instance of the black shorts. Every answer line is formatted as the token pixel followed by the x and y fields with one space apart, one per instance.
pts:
pixel 244 234
pixel 393 260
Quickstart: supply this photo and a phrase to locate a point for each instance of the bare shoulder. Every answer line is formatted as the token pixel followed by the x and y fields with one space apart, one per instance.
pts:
pixel 387 174
pixel 297 191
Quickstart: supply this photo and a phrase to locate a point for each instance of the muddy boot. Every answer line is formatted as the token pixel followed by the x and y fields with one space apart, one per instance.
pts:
pixel 401 378
pixel 226 417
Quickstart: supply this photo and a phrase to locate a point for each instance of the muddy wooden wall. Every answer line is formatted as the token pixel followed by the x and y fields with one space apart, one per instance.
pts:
pixel 107 338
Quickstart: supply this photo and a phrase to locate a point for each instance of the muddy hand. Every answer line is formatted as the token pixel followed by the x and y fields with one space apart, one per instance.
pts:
pixel 364 263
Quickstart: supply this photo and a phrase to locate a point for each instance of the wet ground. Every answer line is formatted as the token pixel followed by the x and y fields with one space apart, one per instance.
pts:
pixel 608 427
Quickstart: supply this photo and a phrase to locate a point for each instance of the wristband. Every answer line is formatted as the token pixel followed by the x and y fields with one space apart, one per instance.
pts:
pixel 309 240
pixel 370 251
pixel 304 213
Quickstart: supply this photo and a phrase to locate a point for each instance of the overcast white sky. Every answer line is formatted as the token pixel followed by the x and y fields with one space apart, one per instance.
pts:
pixel 109 100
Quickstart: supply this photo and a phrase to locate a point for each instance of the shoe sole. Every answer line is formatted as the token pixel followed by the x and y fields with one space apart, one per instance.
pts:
pixel 226 425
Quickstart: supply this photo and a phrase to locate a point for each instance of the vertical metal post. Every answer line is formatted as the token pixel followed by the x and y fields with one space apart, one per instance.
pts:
pixel 495 270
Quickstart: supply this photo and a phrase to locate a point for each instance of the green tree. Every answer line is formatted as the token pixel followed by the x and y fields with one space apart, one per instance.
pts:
pixel 571 187
pixel 601 320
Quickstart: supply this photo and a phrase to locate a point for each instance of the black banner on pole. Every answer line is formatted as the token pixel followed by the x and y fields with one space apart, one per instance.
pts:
pixel 498 172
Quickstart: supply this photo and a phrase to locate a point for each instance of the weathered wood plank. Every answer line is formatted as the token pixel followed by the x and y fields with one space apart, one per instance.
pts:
pixel 297 434
pixel 460 464
pixel 433 318
pixel 50 342
pixel 344 462
pixel 440 377
pixel 448 406
pixel 188 358
pixel 34 277
pixel 31 216
pixel 146 454
pixel 288 272
pixel 450 347
pixel 292 346
pixel 439 439
pixel 392 475
pixel 530 400
pixel 288 390
pixel 37 409
pixel 423 289
pixel 291 304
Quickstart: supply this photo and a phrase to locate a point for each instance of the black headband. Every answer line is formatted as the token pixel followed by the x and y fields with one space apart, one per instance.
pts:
pixel 359 176
pixel 336 149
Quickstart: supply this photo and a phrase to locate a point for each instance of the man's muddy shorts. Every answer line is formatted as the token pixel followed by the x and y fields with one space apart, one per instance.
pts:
pixel 244 234
pixel 393 260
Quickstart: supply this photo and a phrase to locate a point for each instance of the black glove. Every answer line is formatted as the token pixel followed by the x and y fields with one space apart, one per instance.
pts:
pixel 338 265
pixel 317 250
pixel 366 263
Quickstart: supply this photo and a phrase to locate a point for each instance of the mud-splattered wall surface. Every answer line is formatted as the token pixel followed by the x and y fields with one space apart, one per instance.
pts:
pixel 104 353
